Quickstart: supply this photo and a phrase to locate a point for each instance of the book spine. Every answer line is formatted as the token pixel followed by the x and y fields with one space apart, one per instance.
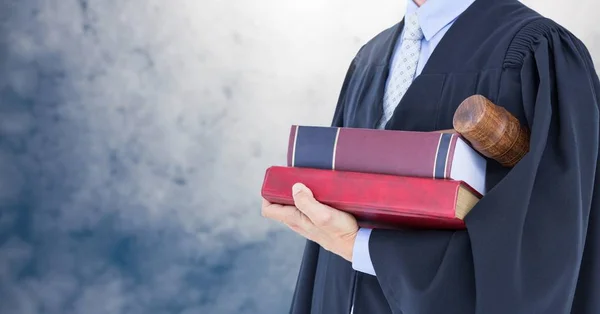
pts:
pixel 371 198
pixel 421 154
pixel 443 158
pixel 291 152
pixel 450 157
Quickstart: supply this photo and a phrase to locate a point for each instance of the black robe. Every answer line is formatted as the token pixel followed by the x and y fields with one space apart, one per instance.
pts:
pixel 533 242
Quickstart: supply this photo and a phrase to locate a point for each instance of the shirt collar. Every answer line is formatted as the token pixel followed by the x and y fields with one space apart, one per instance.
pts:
pixel 435 14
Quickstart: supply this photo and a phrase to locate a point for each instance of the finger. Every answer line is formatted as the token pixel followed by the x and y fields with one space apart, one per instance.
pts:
pixel 272 211
pixel 265 203
pixel 299 223
pixel 323 216
pixel 320 214
pixel 290 216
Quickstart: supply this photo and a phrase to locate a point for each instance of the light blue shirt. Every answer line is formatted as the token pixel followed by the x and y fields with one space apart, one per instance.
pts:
pixel 435 18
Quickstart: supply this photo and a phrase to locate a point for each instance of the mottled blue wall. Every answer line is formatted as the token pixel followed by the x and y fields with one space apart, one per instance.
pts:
pixel 133 140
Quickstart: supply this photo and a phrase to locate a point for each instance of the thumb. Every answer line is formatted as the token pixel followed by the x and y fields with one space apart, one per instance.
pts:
pixel 320 214
pixel 303 196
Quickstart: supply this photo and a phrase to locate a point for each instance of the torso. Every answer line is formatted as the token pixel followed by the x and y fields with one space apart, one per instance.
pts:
pixel 469 60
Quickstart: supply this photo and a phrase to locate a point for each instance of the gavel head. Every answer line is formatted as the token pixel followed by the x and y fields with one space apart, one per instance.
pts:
pixel 491 130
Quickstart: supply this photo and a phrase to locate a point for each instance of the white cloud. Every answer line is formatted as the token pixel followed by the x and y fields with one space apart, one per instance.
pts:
pixel 135 135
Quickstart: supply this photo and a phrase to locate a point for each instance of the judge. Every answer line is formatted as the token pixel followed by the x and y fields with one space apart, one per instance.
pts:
pixel 532 244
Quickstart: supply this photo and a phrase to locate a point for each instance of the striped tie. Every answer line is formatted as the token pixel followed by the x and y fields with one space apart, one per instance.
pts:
pixel 404 67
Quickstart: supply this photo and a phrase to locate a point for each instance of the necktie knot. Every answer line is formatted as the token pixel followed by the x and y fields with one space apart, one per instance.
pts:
pixel 412 29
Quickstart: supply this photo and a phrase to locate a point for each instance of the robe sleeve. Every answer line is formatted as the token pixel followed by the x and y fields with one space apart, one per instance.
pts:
pixel 523 250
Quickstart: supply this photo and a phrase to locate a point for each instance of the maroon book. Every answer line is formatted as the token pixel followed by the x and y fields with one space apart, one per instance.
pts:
pixel 378 200
pixel 404 153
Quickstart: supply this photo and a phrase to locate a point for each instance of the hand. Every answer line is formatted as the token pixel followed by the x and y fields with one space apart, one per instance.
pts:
pixel 333 229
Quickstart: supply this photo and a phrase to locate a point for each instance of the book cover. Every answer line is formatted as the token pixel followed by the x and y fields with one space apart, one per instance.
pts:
pixel 439 155
pixel 378 199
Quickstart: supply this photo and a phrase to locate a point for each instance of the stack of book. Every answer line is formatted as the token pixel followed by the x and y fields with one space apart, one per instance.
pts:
pixel 384 178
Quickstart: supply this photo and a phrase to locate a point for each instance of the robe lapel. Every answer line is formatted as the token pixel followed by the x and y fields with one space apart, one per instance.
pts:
pixel 451 54
pixel 453 49
pixel 381 71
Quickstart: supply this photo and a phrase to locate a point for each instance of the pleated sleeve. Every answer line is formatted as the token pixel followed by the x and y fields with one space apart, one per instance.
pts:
pixel 532 242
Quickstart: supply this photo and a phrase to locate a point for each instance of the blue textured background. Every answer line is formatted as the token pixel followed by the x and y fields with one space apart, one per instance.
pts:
pixel 134 136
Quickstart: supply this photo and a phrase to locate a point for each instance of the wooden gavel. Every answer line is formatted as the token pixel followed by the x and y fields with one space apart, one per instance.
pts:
pixel 491 130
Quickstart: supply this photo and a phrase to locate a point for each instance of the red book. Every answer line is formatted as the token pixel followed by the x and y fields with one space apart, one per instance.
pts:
pixel 378 200
pixel 404 153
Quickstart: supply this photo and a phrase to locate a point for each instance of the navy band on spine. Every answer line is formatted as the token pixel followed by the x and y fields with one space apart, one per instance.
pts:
pixel 442 156
pixel 314 147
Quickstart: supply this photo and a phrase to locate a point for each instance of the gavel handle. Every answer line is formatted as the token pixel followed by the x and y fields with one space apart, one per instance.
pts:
pixel 491 130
